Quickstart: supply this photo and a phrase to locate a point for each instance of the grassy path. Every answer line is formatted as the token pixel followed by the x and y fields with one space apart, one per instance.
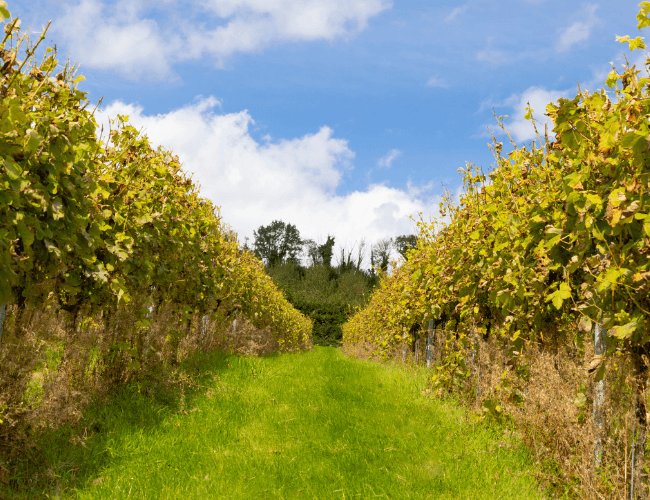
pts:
pixel 310 425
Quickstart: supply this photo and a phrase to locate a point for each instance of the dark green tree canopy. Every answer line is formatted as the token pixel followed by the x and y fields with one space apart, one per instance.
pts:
pixel 326 251
pixel 380 254
pixel 405 242
pixel 327 292
pixel 320 254
pixel 277 243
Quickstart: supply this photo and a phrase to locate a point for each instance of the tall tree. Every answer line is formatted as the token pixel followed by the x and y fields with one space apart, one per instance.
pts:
pixel 326 251
pixel 311 249
pixel 277 243
pixel 347 262
pixel 405 242
pixel 380 254
pixel 320 254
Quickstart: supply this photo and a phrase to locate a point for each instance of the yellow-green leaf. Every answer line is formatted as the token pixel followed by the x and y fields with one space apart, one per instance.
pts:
pixel 624 331
pixel 633 43
pixel 12 168
pixel 4 11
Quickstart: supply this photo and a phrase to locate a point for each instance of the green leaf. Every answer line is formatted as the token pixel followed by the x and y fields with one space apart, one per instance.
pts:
pixel 144 219
pixel 612 79
pixel 635 140
pixel 612 277
pixel 565 291
pixel 4 11
pixel 26 234
pixel 624 331
pixel 643 17
pixel 616 197
pixel 529 112
pixel 32 140
pixel 12 168
pixel 632 43
pixel 551 242
pixel 122 296
pixel 574 180
pixel 594 199
pixel 560 295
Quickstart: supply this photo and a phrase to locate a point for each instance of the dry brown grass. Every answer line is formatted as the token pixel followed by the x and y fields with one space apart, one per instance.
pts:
pixel 361 350
pixel 548 393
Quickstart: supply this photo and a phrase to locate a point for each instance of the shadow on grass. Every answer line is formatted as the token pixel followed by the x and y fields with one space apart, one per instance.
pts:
pixel 57 461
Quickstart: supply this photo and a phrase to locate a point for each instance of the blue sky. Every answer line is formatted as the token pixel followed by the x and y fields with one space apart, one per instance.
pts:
pixel 345 117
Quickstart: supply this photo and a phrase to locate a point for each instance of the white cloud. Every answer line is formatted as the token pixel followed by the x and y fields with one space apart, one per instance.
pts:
pixel 538 97
pixel 295 180
pixel 141 39
pixel 578 31
pixel 135 47
pixel 456 12
pixel 436 82
pixel 387 160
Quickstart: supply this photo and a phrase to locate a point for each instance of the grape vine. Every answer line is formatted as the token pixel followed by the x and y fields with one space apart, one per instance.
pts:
pixel 554 239
pixel 95 224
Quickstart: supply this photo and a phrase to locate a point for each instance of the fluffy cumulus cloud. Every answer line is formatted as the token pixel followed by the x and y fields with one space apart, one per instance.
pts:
pixel 295 180
pixel 142 38
pixel 578 31
pixel 116 38
pixel 538 98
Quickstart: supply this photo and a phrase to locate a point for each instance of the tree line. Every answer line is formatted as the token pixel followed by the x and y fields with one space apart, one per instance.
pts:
pixel 323 284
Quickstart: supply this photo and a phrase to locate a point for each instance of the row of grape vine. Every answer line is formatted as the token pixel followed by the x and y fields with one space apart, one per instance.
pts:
pixel 93 224
pixel 554 240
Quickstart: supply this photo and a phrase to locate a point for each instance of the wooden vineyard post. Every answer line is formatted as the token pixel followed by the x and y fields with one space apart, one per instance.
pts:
pixel 3 312
pixel 417 351
pixel 599 398
pixel 205 321
pixel 429 346
pixel 476 361
pixel 638 480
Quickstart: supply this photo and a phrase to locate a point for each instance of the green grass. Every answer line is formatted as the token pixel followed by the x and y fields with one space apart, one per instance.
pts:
pixel 309 425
